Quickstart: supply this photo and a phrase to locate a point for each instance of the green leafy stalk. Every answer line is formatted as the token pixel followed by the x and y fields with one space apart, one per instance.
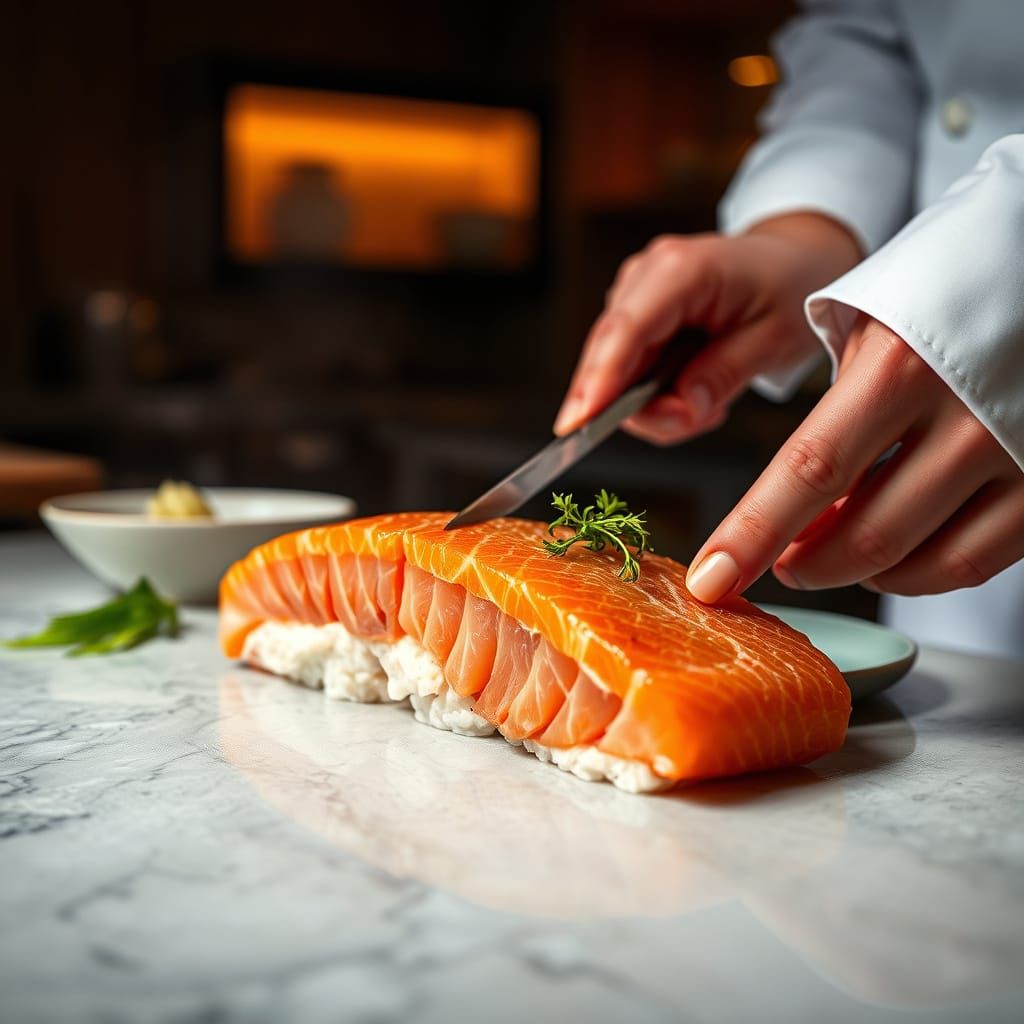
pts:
pixel 607 521
pixel 117 625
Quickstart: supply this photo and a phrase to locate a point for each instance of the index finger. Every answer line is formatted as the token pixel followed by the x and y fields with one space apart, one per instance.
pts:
pixel 642 315
pixel 860 417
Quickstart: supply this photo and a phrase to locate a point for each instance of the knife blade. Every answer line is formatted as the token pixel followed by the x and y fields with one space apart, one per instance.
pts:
pixel 514 490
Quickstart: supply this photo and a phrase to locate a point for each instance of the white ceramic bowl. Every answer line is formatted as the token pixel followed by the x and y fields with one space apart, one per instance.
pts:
pixel 110 534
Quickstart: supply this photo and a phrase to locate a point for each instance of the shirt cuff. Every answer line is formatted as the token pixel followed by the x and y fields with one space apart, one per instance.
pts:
pixel 781 385
pixel 951 285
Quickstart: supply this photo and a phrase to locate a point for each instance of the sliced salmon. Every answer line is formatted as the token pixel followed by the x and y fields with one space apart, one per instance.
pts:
pixel 587 711
pixel 552 675
pixel 471 659
pixel 558 650
pixel 513 664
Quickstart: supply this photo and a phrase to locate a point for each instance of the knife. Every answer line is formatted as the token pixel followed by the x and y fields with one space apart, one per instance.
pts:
pixel 559 455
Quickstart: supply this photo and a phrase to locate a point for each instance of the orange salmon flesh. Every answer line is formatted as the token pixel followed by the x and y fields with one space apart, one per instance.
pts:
pixel 558 649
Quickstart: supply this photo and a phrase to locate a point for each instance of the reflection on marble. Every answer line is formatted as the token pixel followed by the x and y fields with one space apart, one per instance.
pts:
pixel 435 807
pixel 427 806
pixel 185 840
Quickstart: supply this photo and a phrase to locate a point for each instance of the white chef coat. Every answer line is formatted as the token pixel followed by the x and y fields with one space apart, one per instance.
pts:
pixel 904 121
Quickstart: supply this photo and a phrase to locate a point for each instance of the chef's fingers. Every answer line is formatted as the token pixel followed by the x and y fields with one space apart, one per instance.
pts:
pixel 720 372
pixel 983 538
pixel 853 342
pixel 713 380
pixel 893 509
pixel 863 414
pixel 676 284
pixel 669 419
pixel 629 268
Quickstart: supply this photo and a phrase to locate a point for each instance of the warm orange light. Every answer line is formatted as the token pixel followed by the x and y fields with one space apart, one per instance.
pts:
pixel 376 180
pixel 754 70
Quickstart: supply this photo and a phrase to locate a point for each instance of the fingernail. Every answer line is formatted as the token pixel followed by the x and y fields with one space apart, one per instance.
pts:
pixel 713 577
pixel 698 397
pixel 786 578
pixel 567 415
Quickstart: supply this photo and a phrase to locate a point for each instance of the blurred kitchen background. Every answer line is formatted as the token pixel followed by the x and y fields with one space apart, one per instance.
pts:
pixel 356 246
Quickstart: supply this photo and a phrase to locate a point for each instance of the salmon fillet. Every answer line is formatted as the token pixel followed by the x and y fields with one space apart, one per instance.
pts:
pixel 555 652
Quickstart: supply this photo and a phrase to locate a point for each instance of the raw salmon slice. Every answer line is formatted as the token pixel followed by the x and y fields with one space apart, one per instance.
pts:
pixel 557 652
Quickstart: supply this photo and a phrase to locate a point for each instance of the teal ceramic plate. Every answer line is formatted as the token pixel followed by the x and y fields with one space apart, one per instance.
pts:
pixel 871 657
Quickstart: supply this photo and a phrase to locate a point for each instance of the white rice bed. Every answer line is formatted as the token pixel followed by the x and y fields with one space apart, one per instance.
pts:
pixel 347 668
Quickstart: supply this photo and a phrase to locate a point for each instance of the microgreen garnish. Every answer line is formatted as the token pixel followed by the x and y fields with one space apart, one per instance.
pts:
pixel 607 521
pixel 128 620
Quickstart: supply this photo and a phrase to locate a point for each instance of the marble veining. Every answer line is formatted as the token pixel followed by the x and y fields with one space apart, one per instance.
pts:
pixel 185 839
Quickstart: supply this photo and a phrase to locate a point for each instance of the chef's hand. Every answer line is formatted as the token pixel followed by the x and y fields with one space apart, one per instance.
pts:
pixel 945 511
pixel 747 291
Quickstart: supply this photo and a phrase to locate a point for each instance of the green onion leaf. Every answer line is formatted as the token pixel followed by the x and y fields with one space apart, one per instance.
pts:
pixel 117 625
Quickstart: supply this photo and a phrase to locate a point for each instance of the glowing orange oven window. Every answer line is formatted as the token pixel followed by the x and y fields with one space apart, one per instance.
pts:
pixel 378 182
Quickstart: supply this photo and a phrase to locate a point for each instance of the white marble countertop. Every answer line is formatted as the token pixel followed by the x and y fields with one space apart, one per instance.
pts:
pixel 186 840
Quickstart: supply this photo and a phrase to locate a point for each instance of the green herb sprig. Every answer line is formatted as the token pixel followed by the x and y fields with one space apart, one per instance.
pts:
pixel 137 615
pixel 607 521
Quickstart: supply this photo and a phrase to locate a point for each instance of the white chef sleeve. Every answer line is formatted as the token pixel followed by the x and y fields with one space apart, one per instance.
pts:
pixel 951 284
pixel 839 134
